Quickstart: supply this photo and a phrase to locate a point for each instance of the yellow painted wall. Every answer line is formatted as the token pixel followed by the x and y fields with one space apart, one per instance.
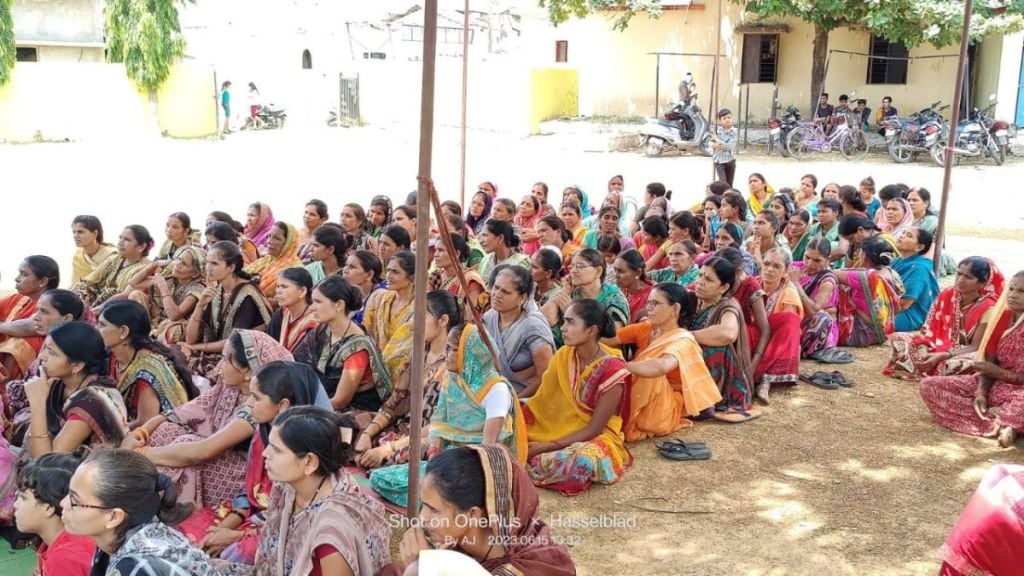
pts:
pixel 617 75
pixel 554 92
pixel 988 63
pixel 95 101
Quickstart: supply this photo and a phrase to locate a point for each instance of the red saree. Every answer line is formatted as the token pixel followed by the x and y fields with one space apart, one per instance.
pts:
pixel 21 351
pixel 987 537
pixel 780 362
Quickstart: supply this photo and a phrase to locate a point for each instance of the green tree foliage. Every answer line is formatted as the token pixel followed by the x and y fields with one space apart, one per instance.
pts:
pixel 560 11
pixel 145 35
pixel 8 52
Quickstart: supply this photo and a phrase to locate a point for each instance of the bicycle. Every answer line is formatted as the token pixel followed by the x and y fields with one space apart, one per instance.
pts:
pixel 810 137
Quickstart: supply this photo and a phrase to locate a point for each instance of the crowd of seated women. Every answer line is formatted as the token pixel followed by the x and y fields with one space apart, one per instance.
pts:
pixel 210 404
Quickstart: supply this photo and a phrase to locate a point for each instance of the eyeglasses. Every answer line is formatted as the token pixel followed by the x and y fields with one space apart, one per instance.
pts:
pixel 652 304
pixel 76 505
pixel 580 266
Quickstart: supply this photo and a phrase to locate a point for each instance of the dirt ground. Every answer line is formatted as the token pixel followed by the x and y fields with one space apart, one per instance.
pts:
pixel 854 481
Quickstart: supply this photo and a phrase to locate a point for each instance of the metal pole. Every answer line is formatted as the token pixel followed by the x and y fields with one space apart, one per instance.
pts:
pixel 954 119
pixel 422 257
pixel 657 86
pixel 465 86
pixel 713 113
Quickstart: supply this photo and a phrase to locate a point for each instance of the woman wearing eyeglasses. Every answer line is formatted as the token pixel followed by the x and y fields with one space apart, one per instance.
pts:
pixel 586 280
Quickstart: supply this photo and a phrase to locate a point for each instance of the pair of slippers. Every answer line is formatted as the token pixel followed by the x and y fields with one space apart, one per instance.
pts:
pixel 827 380
pixel 676 449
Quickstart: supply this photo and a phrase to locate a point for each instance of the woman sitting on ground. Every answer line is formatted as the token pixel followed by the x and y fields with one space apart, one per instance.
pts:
pixel 898 217
pixel 682 267
pixel 344 357
pixel 869 297
pixel 546 269
pixel 180 235
pixel 355 224
pixel 282 250
pixel 447 277
pixel 232 301
pixel 780 362
pixel 750 295
pixel 608 224
pixel 572 216
pixel 19 342
pixel 318 521
pixel 395 239
pixel 797 234
pixel 921 287
pixel 654 233
pixel 766 237
pixel 328 251
pixel 365 271
pixel 574 421
pixel 609 247
pixel 670 379
pixel 388 317
pixel 151 378
pixel 854 230
pixel 730 235
pixel 682 226
pixel 405 218
pixel 294 315
pixel 380 215
pixel 521 335
pixel 202 444
pixel 734 210
pixel 718 327
pixel 587 280
pixel 112 277
pixel 92 251
pixel 228 230
pixel 483 502
pixel 961 403
pixel 553 233
pixel 118 499
pixel 230 530
pixel 479 211
pixel 259 224
pixel 760 193
pixel 171 300
pixel 41 487
pixel 527 217
pixel 500 243
pixel 476 405
pixel 70 401
pixel 389 429
pixel 314 215
pixel 818 288
pixel 949 338
pixel 632 281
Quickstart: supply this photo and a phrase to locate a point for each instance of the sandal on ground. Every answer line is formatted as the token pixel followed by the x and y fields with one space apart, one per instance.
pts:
pixel 832 356
pixel 1007 437
pixel 676 449
pixel 761 392
pixel 838 378
pixel 822 380
pixel 737 416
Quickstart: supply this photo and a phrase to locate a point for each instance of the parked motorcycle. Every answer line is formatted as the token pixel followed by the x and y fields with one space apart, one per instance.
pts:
pixel 977 135
pixel 779 128
pixel 683 127
pixel 907 137
pixel 270 117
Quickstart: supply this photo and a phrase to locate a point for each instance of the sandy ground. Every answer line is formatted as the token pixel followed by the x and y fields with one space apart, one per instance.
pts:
pixel 856 481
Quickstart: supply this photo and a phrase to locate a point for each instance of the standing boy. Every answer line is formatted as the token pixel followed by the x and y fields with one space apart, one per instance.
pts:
pixel 723 142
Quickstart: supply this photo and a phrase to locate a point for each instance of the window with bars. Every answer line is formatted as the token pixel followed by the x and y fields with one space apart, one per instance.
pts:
pixel 561 51
pixel 760 58
pixel 887 64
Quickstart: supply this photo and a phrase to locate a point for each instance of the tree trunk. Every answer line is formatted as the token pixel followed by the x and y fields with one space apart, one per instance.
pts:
pixel 818 59
pixel 153 116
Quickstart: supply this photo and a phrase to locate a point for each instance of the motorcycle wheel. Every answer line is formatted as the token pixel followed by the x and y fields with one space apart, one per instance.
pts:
pixel 898 150
pixel 705 146
pixel 797 140
pixel 938 153
pixel 781 144
pixel 999 154
pixel 854 146
pixel 653 147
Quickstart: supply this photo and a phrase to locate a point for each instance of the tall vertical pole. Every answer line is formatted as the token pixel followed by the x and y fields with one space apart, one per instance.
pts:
pixel 422 257
pixel 713 113
pixel 954 119
pixel 465 88
pixel 657 85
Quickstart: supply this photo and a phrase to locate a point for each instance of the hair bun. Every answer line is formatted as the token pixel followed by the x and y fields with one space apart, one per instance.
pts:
pixel 163 482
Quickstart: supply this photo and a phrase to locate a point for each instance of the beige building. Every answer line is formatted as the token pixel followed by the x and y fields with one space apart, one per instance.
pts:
pixel 620 75
pixel 58 30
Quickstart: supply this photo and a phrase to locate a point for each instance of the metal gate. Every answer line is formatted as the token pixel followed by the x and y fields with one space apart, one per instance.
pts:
pixel 348 100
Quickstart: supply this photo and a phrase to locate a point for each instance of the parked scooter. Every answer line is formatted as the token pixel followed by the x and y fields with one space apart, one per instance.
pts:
pixel 977 135
pixel 270 117
pixel 683 127
pixel 779 129
pixel 907 137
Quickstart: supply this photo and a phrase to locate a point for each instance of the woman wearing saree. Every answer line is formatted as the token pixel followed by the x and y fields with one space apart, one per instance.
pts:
pixel 19 342
pixel 780 361
pixel 111 278
pixel 574 421
pixel 985 538
pixel 718 328
pixel 365 271
pixel 796 234
pixel 344 356
pixel 869 297
pixel 961 403
pixel 500 532
pixel 949 338
pixel 921 287
pixel 682 267
pixel 380 215
pixel 328 252
pixel 314 215
pixel 572 216
pixel 92 251
pixel 553 234
pixel 171 300
pixel 259 223
pixel 231 529
pixel 202 444
pixel 586 280
pixel 546 269
pixel 389 429
pixel 527 217
pixel 898 217
pixel 479 211
pixel 760 193
pixel 358 228
pixel 730 235
pixel 282 250
pixel 220 226
pixel 70 401
pixel 854 231
pixel 151 378
pixel 818 288
pixel 501 245
pixel 521 335
pixel 632 281
pixel 231 302
pixel 608 223
pixel 180 235
pixel 388 316
pixel 294 315
pixel 750 295
pixel 447 278
pixel 476 406
pixel 766 237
